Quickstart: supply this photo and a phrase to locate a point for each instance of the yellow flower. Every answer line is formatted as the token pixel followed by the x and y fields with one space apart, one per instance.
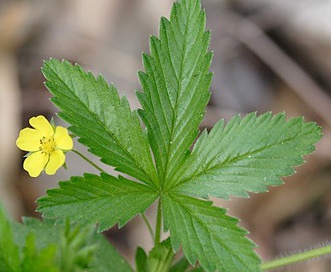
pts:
pixel 46 145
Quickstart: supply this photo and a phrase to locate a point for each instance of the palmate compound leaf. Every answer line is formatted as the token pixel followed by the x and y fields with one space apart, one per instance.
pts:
pixel 176 85
pixel 208 235
pixel 102 120
pixel 246 155
pixel 104 199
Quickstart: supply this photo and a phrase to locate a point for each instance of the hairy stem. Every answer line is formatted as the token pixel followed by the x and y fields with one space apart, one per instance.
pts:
pixel 88 160
pixel 299 257
pixel 158 223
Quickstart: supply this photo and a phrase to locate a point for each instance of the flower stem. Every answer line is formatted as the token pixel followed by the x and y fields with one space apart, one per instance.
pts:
pixel 88 160
pixel 303 256
pixel 148 225
pixel 158 223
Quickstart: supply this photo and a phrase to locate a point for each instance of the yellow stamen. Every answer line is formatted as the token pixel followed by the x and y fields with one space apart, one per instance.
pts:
pixel 47 145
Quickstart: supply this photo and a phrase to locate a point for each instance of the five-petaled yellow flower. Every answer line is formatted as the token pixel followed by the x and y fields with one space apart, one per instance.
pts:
pixel 46 145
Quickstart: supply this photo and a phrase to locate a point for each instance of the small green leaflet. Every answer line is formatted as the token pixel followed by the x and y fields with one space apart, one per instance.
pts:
pixel 248 154
pixel 176 85
pixel 208 235
pixel 102 120
pixel 100 199
pixel 159 258
pixel 141 260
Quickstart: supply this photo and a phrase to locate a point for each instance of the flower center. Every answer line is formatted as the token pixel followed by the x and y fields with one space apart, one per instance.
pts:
pixel 47 145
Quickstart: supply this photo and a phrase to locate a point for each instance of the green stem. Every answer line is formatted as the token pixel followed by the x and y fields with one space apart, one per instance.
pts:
pixel 88 160
pixel 303 256
pixel 148 225
pixel 158 223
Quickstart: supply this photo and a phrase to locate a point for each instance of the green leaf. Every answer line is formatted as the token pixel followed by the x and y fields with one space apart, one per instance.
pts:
pixel 76 253
pixel 97 199
pixel 141 260
pixel 102 120
pixel 208 235
pixel 72 245
pixel 198 269
pixel 35 260
pixel 180 266
pixel 46 231
pixel 160 257
pixel 176 85
pixel 9 254
pixel 248 154
pixel 106 257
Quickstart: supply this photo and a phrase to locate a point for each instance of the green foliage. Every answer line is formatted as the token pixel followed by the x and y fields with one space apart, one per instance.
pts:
pixel 75 254
pixel 180 266
pixel 25 257
pixel 176 85
pixel 9 254
pixel 159 259
pixel 141 260
pixel 38 246
pixel 103 199
pixel 35 260
pixel 106 257
pixel 208 235
pixel 102 120
pixel 246 155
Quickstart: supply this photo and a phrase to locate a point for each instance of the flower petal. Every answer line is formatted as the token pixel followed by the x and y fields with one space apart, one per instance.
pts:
pixel 56 160
pixel 35 163
pixel 41 124
pixel 62 139
pixel 29 139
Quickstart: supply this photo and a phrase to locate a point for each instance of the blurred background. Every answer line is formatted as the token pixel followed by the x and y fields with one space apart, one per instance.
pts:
pixel 268 56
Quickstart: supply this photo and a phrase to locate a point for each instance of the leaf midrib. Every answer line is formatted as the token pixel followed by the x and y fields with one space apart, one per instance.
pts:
pixel 175 108
pixel 233 160
pixel 79 200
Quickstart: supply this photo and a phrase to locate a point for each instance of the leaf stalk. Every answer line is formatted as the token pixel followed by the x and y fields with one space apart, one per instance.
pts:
pixel 299 257
pixel 88 160
pixel 148 225
pixel 158 223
